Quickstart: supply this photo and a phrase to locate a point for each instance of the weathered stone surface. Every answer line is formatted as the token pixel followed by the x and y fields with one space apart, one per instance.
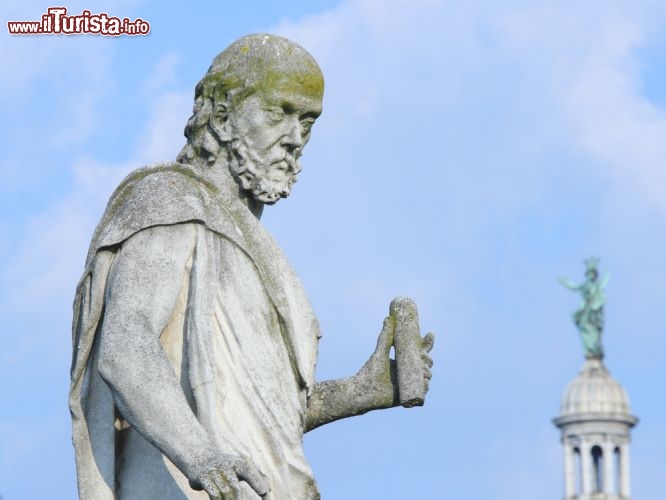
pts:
pixel 408 355
pixel 194 342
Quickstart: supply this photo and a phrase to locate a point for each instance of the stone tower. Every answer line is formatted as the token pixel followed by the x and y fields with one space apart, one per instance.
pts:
pixel 595 418
pixel 595 421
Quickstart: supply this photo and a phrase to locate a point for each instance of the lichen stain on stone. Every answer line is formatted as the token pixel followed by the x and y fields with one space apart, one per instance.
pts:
pixel 250 67
pixel 309 83
pixel 128 187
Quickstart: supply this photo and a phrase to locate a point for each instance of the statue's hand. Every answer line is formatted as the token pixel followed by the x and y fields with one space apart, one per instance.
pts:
pixel 569 284
pixel 375 385
pixel 221 478
pixel 378 376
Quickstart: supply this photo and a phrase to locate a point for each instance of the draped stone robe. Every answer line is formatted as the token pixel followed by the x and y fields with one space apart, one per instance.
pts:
pixel 242 340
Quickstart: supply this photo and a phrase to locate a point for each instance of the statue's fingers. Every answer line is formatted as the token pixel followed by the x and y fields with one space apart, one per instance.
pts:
pixel 428 341
pixel 226 484
pixel 427 373
pixel 427 360
pixel 215 486
pixel 209 486
pixel 231 486
pixel 252 476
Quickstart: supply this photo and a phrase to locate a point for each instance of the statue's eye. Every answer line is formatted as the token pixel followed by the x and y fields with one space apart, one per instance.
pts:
pixel 306 124
pixel 275 114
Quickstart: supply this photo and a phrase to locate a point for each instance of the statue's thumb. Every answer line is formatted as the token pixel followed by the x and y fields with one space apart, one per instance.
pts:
pixel 385 340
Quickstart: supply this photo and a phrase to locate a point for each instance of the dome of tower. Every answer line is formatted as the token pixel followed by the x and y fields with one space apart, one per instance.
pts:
pixel 594 391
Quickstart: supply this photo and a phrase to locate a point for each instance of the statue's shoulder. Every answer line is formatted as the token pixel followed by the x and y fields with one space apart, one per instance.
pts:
pixel 159 183
pixel 162 194
pixel 166 193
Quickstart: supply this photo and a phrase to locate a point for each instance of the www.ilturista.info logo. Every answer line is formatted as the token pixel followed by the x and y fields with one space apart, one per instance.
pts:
pixel 57 22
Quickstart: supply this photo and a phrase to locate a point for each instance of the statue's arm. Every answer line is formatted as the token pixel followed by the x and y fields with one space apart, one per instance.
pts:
pixel 569 284
pixel 144 283
pixel 374 387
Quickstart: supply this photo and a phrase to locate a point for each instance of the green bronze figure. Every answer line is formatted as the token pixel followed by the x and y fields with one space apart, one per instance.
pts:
pixel 589 318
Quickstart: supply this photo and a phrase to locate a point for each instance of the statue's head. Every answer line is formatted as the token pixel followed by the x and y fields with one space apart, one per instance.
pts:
pixel 254 109
pixel 591 268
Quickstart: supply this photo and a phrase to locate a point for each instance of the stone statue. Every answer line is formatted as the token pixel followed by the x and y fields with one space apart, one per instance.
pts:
pixel 194 342
pixel 589 318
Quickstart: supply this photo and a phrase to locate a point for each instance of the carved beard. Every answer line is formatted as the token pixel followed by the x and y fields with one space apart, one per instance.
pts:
pixel 266 181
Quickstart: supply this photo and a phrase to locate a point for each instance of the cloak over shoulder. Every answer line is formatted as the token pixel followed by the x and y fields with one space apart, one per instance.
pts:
pixel 166 195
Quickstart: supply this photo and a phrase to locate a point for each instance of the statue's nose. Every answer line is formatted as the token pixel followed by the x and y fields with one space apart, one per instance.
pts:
pixel 293 137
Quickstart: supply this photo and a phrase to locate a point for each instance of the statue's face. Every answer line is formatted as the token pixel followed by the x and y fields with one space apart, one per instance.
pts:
pixel 592 274
pixel 270 128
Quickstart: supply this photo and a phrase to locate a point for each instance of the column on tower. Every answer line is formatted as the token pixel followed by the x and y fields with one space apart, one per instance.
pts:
pixel 624 471
pixel 569 470
pixel 608 466
pixel 586 467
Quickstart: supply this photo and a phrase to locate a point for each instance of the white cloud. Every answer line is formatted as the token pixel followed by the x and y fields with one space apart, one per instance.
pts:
pixel 163 75
pixel 163 137
pixel 568 75
pixel 50 253
pixel 595 74
pixel 26 59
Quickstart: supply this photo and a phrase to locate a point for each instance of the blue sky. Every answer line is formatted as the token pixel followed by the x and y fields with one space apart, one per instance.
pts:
pixel 469 154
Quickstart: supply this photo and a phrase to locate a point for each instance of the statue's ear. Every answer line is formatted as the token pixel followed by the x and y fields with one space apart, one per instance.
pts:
pixel 219 121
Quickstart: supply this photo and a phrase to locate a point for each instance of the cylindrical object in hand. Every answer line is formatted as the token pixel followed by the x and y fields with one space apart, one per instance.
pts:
pixel 408 349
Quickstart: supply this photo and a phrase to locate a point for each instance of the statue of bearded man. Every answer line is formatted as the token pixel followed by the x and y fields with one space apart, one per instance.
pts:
pixel 194 342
